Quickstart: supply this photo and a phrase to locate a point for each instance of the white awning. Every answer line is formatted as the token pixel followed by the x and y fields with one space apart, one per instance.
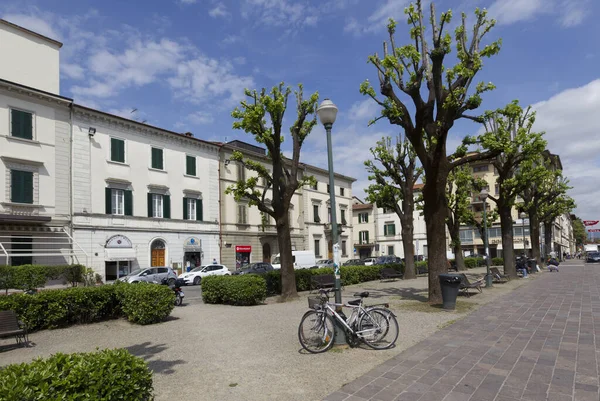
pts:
pixel 118 254
pixel 516 245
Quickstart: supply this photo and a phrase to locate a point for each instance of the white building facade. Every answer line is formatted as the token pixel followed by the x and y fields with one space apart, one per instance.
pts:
pixel 143 196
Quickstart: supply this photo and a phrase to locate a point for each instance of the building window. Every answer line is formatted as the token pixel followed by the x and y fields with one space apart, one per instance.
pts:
pixel 387 211
pixel 343 216
pixel 389 229
pixel 159 206
pixel 390 249
pixel 21 245
pixel 363 217
pixel 315 186
pixel 117 150
pixel 192 209
pixel 241 171
pixel 494 232
pixel 479 169
pixel 119 202
pixel 21 186
pixel 341 191
pixel 242 217
pixel 328 188
pixel 157 159
pixel 190 165
pixel 466 236
pixel 363 237
pixel 344 252
pixel 497 189
pixel 316 217
pixel 329 214
pixel 317 248
pixel 21 124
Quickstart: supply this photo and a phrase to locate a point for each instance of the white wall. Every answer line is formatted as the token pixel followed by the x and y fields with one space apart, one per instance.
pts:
pixel 28 59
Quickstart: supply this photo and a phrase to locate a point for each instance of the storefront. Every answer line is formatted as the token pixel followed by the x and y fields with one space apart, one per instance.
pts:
pixel 192 253
pixel 242 255
pixel 118 254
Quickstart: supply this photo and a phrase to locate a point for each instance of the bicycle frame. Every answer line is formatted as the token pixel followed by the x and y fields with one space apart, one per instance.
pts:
pixel 331 308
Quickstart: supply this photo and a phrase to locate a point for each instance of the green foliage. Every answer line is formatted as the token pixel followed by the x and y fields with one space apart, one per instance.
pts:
pixel 497 262
pixel 472 263
pixel 140 303
pixel 145 303
pixel 579 232
pixel 242 290
pixel 31 277
pixel 60 308
pixel 102 375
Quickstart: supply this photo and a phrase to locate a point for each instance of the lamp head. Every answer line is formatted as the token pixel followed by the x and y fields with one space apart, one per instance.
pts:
pixel 483 194
pixel 523 215
pixel 327 112
pixel 91 131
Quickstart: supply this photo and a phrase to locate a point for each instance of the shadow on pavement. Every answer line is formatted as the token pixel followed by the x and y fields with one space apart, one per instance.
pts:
pixel 148 351
pixel 417 294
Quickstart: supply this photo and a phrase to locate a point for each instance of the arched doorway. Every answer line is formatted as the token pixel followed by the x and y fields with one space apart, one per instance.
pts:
pixel 158 250
pixel 267 252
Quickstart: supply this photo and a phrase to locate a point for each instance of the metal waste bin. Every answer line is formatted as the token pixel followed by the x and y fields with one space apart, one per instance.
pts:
pixel 450 284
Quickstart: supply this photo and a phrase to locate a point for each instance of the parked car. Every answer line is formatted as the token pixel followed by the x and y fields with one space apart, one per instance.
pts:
pixel 301 260
pixel 151 275
pixel 324 263
pixel 382 260
pixel 196 275
pixel 353 262
pixel 255 268
pixel 593 257
pixel 369 261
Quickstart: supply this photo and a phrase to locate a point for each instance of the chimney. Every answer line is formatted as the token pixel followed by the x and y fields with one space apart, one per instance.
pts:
pixel 189 134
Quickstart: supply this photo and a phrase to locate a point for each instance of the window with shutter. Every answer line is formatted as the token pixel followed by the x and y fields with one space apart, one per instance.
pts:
pixel 157 159
pixel 185 209
pixel 118 202
pixel 166 206
pixel 190 165
pixel 199 211
pixel 128 202
pixel 21 124
pixel 157 205
pixel 21 186
pixel 117 150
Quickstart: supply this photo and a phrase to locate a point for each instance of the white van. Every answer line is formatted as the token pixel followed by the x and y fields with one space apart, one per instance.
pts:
pixel 302 260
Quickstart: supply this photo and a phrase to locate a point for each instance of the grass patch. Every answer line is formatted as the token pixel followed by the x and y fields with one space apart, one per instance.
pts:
pixel 233 384
pixel 448 323
pixel 417 306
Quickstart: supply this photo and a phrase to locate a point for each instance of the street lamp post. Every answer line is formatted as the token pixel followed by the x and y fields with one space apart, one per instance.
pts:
pixel 522 216
pixel 488 277
pixel 327 112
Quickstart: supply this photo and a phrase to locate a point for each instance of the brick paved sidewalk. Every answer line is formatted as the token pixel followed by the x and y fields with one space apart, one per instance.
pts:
pixel 535 343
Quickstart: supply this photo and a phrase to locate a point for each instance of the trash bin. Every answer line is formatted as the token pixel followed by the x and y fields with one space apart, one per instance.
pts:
pixel 532 265
pixel 449 284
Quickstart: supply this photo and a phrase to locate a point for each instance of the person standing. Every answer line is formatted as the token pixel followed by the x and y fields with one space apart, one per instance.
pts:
pixel 214 261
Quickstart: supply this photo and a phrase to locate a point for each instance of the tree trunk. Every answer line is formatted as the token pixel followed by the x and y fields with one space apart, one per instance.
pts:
pixel 508 253
pixel 436 211
pixel 547 239
pixel 534 233
pixel 407 243
pixel 459 259
pixel 288 276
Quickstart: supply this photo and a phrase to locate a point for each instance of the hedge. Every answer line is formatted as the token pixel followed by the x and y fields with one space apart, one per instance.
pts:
pixel 497 262
pixel 31 277
pixel 242 290
pixel 139 303
pixel 103 375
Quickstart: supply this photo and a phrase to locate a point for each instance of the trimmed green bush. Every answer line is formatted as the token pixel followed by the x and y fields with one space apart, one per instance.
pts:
pixel 103 375
pixel 470 263
pixel 145 303
pixel 31 277
pixel 497 262
pixel 243 290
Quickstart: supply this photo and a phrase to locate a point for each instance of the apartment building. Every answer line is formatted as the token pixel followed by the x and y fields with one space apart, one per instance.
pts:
pixel 248 236
pixel 142 195
pixel 364 224
pixel 35 208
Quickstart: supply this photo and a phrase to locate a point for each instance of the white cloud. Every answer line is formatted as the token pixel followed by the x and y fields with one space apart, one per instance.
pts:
pixel 219 11
pixel 568 12
pixel 283 13
pixel 231 39
pixel 378 19
pixel 365 110
pixel 200 117
pixel 35 24
pixel 187 1
pixel 572 132
pixel 72 71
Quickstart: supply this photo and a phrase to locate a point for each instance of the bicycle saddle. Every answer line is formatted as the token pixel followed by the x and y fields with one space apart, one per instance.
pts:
pixel 364 294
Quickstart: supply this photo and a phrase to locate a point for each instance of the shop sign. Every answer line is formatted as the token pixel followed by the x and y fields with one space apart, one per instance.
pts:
pixel 243 248
pixel 118 241
pixel 192 244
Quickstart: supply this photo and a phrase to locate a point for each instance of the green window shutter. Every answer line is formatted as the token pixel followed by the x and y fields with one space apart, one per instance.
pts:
pixel 108 200
pixel 166 206
pixel 367 238
pixel 190 165
pixel 150 205
pixel 185 209
pixel 117 150
pixel 385 229
pixel 27 187
pixel 199 211
pixel 21 186
pixel 157 158
pixel 27 125
pixel 21 124
pixel 393 229
pixel 128 203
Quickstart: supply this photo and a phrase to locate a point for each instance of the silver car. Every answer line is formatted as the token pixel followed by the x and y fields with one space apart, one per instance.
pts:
pixel 151 275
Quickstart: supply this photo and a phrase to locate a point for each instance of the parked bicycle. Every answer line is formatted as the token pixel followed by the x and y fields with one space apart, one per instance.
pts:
pixel 375 325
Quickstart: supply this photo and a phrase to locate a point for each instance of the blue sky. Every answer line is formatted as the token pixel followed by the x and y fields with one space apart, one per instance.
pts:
pixel 183 64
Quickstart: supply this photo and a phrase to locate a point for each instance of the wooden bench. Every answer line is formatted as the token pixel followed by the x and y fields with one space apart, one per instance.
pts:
pixel 388 273
pixel 466 285
pixel 321 281
pixel 11 327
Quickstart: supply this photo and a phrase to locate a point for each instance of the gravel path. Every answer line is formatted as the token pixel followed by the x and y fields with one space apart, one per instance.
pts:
pixel 218 352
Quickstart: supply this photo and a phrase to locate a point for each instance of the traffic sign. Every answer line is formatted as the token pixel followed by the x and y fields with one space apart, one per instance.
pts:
pixel 594 230
pixel 590 222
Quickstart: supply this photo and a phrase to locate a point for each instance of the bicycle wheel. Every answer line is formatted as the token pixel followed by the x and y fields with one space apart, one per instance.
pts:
pixel 378 328
pixel 316 331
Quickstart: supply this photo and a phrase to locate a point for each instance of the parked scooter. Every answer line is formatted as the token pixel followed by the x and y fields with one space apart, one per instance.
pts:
pixel 176 287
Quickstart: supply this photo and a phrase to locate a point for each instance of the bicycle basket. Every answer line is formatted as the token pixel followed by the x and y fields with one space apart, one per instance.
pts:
pixel 315 302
